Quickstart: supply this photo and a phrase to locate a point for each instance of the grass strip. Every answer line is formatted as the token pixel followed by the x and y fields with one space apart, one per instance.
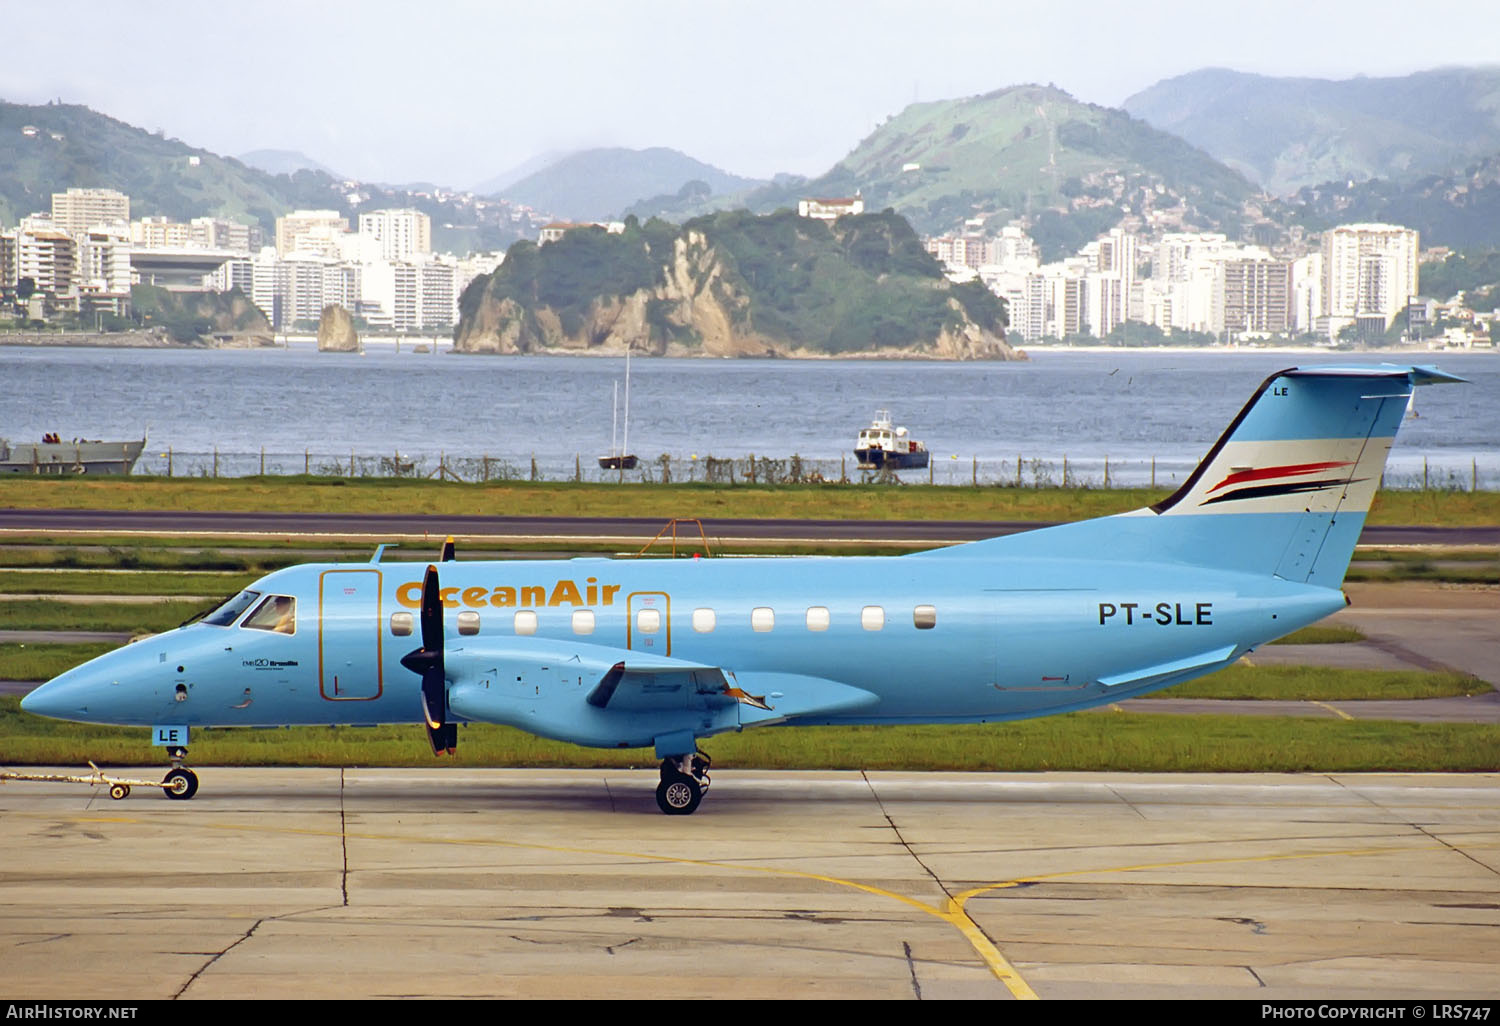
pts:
pixel 86 582
pixel 1105 740
pixel 1445 572
pixel 527 498
pixel 1322 635
pixel 28 614
pixel 187 556
pixel 45 661
pixel 1324 684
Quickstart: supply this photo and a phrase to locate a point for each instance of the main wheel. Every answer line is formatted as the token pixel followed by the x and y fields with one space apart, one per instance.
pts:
pixel 678 795
pixel 181 784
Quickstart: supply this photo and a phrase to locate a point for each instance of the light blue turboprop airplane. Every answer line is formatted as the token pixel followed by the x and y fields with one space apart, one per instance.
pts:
pixel 627 654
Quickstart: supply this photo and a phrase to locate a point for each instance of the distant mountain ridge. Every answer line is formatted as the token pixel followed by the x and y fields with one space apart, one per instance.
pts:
pixel 285 162
pixel 1068 170
pixel 1287 133
pixel 499 183
pixel 599 184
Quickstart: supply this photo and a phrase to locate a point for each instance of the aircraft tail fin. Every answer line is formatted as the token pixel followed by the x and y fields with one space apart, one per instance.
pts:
pixel 1284 491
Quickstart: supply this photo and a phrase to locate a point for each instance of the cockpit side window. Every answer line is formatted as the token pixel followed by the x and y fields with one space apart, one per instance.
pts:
pixel 277 613
pixel 231 610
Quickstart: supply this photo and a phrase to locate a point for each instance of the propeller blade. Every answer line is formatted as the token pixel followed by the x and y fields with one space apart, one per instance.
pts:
pixel 448 554
pixel 444 739
pixel 428 661
pixel 432 612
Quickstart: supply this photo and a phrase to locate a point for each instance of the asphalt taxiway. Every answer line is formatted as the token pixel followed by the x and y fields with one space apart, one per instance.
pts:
pixel 326 883
pixel 625 531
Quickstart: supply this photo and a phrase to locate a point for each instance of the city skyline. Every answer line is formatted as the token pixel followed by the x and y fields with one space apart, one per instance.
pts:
pixel 473 90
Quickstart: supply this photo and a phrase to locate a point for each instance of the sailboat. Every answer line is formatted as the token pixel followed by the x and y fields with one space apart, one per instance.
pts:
pixel 621 458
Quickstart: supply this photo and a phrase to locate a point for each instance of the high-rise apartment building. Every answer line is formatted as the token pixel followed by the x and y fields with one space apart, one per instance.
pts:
pixel 1369 270
pixel 217 233
pixel 973 251
pixel 7 260
pixel 49 258
pixel 159 233
pixel 411 295
pixel 402 234
pixel 1252 293
pixel 1307 292
pixel 1015 249
pixel 310 232
pixel 78 210
pixel 1176 255
pixel 104 267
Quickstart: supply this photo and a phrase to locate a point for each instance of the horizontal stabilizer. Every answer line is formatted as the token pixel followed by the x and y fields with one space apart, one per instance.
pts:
pixel 1161 671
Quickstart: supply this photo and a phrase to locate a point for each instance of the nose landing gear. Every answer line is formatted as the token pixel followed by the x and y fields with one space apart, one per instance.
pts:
pixel 180 783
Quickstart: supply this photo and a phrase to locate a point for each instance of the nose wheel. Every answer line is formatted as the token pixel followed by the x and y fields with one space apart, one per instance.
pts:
pixel 684 780
pixel 180 783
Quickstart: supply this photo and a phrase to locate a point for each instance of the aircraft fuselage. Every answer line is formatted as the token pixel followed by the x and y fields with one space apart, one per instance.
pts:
pixel 933 640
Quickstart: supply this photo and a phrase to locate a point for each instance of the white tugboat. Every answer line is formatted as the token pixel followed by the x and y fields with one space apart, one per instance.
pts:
pixel 882 445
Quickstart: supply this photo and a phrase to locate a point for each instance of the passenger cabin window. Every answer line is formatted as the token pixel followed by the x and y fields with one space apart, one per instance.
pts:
pixel 276 613
pixel 872 618
pixel 401 624
pixel 583 621
pixel 525 621
pixel 704 621
pixel 230 611
pixel 762 618
pixel 648 621
pixel 925 617
pixel 468 622
pixel 817 618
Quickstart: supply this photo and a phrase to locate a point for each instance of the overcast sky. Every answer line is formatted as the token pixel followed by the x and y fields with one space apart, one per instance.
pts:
pixel 457 92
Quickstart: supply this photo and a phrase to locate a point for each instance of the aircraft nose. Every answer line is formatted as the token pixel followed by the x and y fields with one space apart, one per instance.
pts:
pixel 64 697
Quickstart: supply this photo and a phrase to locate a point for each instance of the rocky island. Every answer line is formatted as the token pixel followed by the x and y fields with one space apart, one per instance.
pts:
pixel 734 284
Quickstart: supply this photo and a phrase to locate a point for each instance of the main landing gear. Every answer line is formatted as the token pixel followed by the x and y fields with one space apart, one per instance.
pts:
pixel 180 783
pixel 684 780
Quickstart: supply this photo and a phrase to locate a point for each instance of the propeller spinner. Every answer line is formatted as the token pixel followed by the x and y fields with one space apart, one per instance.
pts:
pixel 427 661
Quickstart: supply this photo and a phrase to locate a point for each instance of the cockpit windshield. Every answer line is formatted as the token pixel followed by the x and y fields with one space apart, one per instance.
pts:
pixel 231 610
pixel 277 613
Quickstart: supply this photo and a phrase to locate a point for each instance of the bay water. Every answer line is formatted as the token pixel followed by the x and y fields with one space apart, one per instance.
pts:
pixel 1064 414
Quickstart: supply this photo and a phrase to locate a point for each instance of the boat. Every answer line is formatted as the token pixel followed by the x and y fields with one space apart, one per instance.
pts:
pixel 80 456
pixel 884 445
pixel 620 458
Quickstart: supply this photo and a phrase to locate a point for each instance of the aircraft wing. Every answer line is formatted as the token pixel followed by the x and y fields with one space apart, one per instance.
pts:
pixel 767 697
pixel 586 692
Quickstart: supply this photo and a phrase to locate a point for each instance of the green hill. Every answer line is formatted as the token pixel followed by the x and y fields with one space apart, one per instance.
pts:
pixel 1459 208
pixel 1287 133
pixel 1069 170
pixel 71 146
pixel 733 284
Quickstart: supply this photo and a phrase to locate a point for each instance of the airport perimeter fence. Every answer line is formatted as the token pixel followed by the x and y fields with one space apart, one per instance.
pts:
pixel 1404 472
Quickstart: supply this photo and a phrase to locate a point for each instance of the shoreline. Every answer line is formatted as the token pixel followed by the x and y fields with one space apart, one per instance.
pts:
pixel 438 343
